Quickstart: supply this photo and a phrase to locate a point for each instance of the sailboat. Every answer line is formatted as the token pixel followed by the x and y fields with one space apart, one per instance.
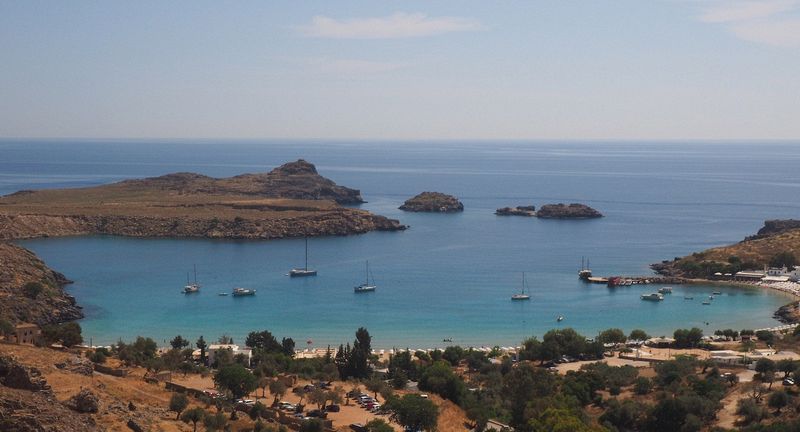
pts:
pixel 191 287
pixel 303 271
pixel 585 272
pixel 521 295
pixel 365 287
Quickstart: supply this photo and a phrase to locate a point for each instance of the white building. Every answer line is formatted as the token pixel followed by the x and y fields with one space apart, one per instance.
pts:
pixel 235 350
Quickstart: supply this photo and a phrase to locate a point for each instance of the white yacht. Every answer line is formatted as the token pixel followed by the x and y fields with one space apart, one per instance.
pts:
pixel 191 287
pixel 521 295
pixel 305 271
pixel 653 297
pixel 240 292
pixel 366 286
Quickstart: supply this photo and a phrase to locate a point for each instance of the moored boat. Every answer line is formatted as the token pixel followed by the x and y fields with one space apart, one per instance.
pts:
pixel 366 286
pixel 240 292
pixel 521 295
pixel 305 271
pixel 653 296
pixel 585 273
pixel 665 290
pixel 191 287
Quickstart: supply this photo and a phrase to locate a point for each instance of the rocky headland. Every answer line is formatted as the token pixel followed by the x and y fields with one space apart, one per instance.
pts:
pixel 564 211
pixel 527 211
pixel 290 201
pixel 433 202
pixel 778 240
pixel 30 291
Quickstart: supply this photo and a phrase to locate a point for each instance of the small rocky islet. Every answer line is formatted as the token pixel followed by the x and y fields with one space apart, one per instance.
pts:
pixel 433 202
pixel 552 211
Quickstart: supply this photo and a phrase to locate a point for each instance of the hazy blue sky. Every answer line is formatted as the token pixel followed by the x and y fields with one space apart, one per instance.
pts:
pixel 401 70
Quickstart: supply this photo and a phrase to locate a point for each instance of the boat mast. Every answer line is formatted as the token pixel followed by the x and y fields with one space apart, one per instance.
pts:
pixel 195 274
pixel 366 282
pixel 523 282
pixel 306 267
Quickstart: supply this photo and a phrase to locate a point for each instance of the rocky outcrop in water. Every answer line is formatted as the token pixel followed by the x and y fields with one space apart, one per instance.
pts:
pixel 528 211
pixel 433 202
pixel 564 211
pixel 18 267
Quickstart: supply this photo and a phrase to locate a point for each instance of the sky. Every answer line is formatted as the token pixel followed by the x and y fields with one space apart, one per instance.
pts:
pixel 401 70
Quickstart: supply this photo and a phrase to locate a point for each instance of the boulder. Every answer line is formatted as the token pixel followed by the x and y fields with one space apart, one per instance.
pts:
pixel 17 376
pixel 84 402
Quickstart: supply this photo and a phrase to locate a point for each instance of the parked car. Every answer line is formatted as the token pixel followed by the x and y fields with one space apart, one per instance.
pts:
pixel 788 382
pixel 333 408
pixel 317 413
pixel 358 427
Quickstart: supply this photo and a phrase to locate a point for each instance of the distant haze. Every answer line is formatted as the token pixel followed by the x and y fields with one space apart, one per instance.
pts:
pixel 625 69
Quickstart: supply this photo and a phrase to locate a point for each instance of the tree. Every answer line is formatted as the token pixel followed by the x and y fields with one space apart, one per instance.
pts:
pixel 440 379
pixel 178 342
pixel 778 400
pixel 668 415
pixel 453 354
pixel 69 334
pixel 235 379
pixel 612 336
pixel 215 422
pixel 642 386
pixel 375 385
pixel 5 327
pixel 32 290
pixel 178 402
pixel 766 369
pixel 766 336
pixel 414 412
pixel 287 346
pixel 202 345
pixel 257 411
pixel 277 389
pixel 263 340
pixel 787 366
pixel 313 425
pixel 638 335
pixel 378 425
pixel 193 415
pixel 749 410
pixel 688 338
pixel 784 259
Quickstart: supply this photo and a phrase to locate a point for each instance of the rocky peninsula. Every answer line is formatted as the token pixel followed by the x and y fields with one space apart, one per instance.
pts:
pixel 564 211
pixel 777 241
pixel 32 292
pixel 290 201
pixel 433 202
pixel 527 211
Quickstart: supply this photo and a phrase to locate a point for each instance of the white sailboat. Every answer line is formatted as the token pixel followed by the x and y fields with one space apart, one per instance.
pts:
pixel 191 287
pixel 295 272
pixel 521 295
pixel 366 286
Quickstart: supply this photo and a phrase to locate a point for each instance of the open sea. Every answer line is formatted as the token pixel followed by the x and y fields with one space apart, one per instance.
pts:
pixel 449 275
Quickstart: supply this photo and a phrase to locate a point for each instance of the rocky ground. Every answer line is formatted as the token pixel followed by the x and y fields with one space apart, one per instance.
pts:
pixel 19 266
pixel 433 202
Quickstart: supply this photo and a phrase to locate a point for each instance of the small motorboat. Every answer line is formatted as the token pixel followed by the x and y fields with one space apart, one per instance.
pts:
pixel 716 293
pixel 688 298
pixel 241 292
pixel 665 290
pixel 706 302
pixel 223 294
pixel 560 318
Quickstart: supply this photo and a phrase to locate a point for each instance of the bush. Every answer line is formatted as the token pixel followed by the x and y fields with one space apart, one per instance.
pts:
pixel 750 411
pixel 69 334
pixel 642 386
pixel 32 290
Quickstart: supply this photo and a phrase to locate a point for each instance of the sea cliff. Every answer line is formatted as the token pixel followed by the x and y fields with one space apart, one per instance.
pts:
pixel 47 304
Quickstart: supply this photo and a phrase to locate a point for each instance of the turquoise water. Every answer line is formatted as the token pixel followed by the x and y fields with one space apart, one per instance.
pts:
pixel 449 276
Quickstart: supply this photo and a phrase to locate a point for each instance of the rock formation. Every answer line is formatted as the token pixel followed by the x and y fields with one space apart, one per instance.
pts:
pixel 84 402
pixel 292 200
pixel 571 211
pixel 433 202
pixel 19 266
pixel 528 211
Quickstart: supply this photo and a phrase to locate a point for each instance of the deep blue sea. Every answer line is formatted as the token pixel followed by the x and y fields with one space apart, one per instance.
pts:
pixel 448 276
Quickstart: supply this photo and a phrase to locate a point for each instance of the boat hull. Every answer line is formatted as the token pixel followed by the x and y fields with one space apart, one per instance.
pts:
pixel 364 288
pixel 302 273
